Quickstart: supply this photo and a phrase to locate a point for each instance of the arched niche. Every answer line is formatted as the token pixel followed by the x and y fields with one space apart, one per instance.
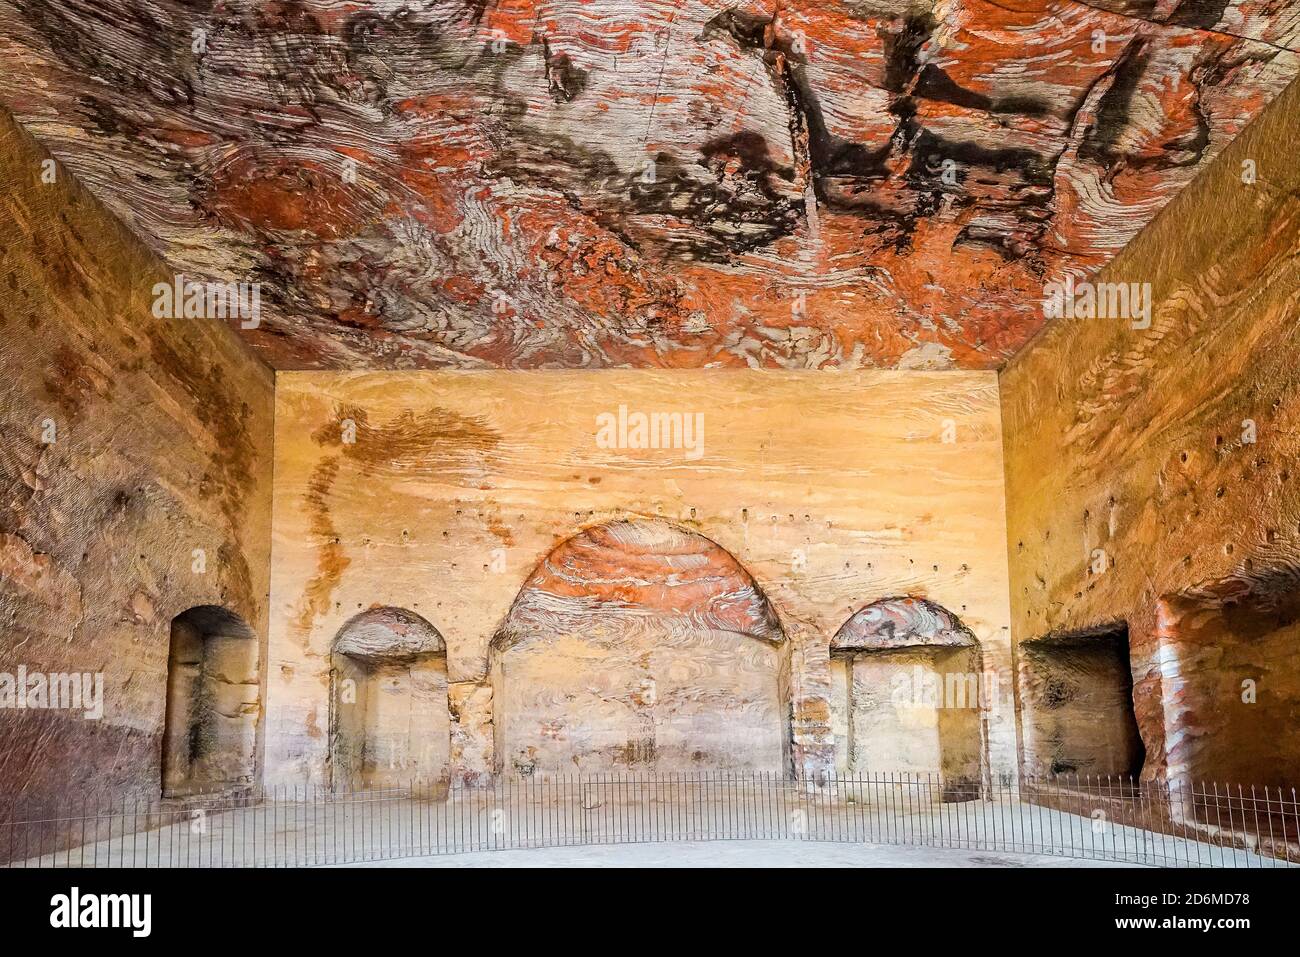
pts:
pixel 640 646
pixel 213 703
pixel 906 688
pixel 389 724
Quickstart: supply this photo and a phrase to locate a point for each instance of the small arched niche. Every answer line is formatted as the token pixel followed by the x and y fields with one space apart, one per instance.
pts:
pixel 213 703
pixel 906 687
pixel 640 646
pixel 389 724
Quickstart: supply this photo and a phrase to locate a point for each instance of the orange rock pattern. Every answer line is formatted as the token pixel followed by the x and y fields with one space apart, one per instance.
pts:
pixel 640 570
pixel 668 183
pixel 902 622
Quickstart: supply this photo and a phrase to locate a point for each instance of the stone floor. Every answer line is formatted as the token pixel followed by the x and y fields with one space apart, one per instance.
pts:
pixel 744 854
pixel 609 826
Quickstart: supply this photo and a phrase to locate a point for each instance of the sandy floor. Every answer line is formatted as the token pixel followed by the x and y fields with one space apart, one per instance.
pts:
pixel 742 854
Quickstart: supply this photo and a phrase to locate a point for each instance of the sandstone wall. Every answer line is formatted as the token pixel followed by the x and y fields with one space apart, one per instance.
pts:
pixel 1150 468
pixel 441 493
pixel 568 183
pixel 128 443
pixel 640 645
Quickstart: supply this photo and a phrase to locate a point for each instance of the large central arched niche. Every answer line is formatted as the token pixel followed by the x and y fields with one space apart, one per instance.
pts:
pixel 906 688
pixel 389 723
pixel 640 646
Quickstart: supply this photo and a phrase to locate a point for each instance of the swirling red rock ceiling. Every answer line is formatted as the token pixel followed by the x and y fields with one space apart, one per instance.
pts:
pixel 651 183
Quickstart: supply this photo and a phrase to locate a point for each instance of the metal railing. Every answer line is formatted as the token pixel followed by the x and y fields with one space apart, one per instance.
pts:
pixel 1104 819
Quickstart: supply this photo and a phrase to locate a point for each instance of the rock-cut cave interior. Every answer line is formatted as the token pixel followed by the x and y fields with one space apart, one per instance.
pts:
pixel 455 393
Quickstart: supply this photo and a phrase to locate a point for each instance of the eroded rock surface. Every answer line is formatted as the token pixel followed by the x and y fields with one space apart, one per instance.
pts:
pixel 641 182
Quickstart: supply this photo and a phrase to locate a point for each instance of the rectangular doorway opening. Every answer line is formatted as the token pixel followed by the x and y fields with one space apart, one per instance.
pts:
pixel 1076 700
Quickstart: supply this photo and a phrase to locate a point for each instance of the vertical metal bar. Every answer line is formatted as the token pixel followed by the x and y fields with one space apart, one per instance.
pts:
pixel 1259 831
pixel 1035 812
pixel 1295 824
pixel 1245 828
pixel 935 797
pixel 1268 816
pixel 1216 834
pixel 1232 825
pixel 879 800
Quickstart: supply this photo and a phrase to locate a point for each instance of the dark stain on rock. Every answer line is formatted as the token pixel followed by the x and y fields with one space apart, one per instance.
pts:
pixel 1103 141
pixel 1199 14
pixel 564 79
pixel 932 83
pixel 66 381
pixel 903 50
pixel 731 196
pixel 331 560
pixel 638 751
pixel 163 71
pixel 434 441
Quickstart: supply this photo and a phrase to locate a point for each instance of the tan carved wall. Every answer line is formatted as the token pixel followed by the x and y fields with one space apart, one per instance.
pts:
pixel 135 481
pixel 443 494
pixel 1157 467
